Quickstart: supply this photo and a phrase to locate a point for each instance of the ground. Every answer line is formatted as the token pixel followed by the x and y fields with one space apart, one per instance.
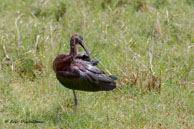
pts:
pixel 147 44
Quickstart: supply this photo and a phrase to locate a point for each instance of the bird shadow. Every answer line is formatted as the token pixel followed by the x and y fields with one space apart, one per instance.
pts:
pixel 64 115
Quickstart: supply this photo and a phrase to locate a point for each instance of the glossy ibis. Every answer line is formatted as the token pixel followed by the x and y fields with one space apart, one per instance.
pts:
pixel 78 72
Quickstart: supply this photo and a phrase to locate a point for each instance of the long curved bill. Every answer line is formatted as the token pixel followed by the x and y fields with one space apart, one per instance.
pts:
pixel 85 48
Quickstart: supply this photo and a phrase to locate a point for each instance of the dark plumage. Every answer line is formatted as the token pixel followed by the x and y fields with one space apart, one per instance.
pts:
pixel 83 56
pixel 86 77
pixel 78 71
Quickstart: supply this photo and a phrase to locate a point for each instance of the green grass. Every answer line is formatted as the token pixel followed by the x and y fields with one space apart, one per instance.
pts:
pixel 148 44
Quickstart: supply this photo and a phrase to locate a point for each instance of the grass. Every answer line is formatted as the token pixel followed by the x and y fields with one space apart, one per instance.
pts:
pixel 148 44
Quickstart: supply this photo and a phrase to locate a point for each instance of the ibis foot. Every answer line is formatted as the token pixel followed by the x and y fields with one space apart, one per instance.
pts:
pixel 75 100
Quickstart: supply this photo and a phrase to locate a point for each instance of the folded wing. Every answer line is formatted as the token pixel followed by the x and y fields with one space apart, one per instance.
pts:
pixel 98 78
pixel 84 76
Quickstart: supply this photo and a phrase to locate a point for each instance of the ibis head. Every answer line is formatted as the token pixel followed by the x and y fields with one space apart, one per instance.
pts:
pixel 75 40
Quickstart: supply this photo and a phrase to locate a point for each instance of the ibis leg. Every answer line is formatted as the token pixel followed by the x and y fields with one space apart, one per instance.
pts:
pixel 75 99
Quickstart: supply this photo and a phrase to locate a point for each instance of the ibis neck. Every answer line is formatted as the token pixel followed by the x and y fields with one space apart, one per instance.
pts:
pixel 73 51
